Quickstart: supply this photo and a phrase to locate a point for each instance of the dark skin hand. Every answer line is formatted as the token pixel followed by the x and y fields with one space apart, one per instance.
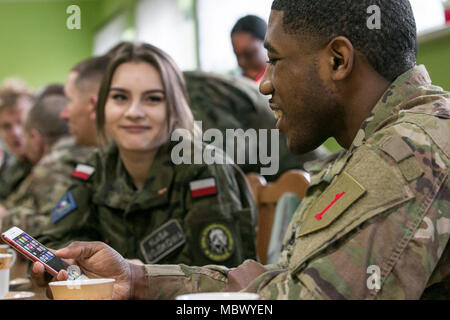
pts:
pixel 98 260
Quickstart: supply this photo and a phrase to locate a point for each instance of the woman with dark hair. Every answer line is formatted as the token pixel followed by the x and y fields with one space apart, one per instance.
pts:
pixel 132 195
pixel 247 37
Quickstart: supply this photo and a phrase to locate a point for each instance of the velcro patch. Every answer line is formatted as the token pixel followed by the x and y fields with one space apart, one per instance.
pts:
pixel 83 172
pixel 216 242
pixel 65 206
pixel 203 188
pixel 396 148
pixel 332 203
pixel 163 241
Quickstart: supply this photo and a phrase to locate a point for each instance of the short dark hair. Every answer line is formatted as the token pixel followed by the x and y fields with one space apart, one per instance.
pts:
pixel 254 25
pixel 90 71
pixel 51 89
pixel 391 50
pixel 44 117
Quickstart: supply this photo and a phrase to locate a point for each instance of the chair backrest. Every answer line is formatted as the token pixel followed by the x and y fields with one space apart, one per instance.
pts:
pixel 266 198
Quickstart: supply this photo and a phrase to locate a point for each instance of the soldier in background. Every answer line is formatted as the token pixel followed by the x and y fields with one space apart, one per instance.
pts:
pixel 247 38
pixel 375 222
pixel 15 101
pixel 54 155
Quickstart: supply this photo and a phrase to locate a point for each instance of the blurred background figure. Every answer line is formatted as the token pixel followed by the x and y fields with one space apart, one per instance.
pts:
pixel 54 155
pixel 81 90
pixel 15 101
pixel 247 37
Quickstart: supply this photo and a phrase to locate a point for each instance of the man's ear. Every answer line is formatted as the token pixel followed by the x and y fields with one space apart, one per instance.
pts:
pixel 93 98
pixel 341 56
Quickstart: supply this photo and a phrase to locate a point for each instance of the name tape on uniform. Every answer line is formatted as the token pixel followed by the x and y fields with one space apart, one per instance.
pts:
pixel 65 206
pixel 203 188
pixel 163 241
pixel 83 172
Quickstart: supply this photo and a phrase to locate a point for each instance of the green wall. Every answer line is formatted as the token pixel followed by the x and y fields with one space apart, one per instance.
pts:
pixel 36 44
pixel 435 55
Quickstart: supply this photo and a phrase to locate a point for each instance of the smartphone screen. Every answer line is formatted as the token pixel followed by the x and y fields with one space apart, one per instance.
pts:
pixel 40 252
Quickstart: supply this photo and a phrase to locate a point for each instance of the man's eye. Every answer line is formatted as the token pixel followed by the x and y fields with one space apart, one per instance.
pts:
pixel 272 61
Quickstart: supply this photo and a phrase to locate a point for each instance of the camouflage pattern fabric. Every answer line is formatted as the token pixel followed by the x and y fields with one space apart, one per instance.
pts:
pixel 375 222
pixel 30 206
pixel 230 102
pixel 165 221
pixel 12 173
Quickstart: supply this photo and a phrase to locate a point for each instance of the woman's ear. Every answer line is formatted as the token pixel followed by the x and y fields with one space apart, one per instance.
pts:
pixel 341 57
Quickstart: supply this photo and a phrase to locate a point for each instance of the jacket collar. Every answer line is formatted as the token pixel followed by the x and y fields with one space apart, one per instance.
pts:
pixel 117 190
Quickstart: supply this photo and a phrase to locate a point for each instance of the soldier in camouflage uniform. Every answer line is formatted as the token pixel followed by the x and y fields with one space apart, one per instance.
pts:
pixel 193 214
pixel 29 207
pixel 375 222
pixel 15 101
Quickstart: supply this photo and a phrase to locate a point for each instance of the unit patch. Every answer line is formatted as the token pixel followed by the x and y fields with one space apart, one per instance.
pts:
pixel 65 206
pixel 217 242
pixel 163 241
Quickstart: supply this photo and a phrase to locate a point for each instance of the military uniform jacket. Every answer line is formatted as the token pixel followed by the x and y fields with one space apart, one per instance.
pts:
pixel 30 206
pixel 375 222
pixel 12 173
pixel 192 214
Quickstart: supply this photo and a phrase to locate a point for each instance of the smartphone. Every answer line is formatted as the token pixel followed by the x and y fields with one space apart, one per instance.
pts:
pixel 33 250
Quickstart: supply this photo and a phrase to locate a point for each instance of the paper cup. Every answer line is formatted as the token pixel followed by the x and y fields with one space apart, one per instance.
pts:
pixel 88 289
pixel 219 296
pixel 5 264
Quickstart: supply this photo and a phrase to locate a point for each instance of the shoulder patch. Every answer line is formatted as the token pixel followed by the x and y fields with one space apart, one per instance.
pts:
pixel 163 241
pixel 65 206
pixel 203 188
pixel 332 203
pixel 396 148
pixel 83 172
pixel 216 242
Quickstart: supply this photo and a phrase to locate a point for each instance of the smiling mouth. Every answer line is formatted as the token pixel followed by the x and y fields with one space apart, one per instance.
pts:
pixel 135 128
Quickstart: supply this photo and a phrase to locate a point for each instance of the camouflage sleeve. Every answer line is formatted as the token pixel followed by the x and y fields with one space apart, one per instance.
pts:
pixel 166 282
pixel 72 219
pixel 220 228
pixel 390 244
pixel 30 206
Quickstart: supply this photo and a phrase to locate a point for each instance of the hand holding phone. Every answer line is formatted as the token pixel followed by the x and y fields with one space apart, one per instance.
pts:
pixel 36 252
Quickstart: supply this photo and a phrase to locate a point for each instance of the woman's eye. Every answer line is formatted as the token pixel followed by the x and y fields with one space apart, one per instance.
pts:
pixel 155 99
pixel 119 97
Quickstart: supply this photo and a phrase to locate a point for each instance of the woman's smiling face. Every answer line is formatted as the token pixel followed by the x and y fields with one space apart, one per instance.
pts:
pixel 136 108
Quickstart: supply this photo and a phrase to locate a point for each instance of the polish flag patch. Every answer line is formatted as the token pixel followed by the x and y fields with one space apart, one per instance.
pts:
pixel 83 172
pixel 202 188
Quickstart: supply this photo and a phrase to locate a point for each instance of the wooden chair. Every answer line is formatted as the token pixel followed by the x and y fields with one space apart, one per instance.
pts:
pixel 266 197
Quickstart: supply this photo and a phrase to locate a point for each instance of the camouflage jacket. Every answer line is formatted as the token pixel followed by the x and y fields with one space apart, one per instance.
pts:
pixel 30 205
pixel 375 222
pixel 192 214
pixel 229 102
pixel 12 173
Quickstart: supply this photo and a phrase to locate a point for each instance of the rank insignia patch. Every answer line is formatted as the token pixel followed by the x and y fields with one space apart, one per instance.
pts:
pixel 83 172
pixel 217 242
pixel 203 188
pixel 163 241
pixel 64 207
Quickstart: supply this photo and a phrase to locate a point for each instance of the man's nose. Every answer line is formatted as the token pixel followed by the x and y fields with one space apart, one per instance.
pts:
pixel 65 114
pixel 265 86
